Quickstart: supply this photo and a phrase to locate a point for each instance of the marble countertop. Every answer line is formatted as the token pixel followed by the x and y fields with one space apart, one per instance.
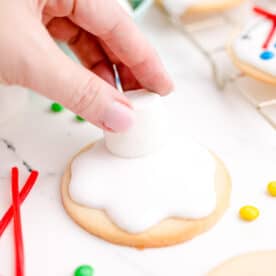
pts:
pixel 222 120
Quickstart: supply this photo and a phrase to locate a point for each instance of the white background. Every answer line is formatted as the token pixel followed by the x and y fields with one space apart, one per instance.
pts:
pixel 55 246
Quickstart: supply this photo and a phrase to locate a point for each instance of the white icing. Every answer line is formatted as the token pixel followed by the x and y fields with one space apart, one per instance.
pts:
pixel 177 180
pixel 148 132
pixel 249 50
pixel 178 7
pixel 12 101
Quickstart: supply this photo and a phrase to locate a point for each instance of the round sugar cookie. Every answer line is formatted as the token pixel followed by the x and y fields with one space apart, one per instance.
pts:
pixel 185 8
pixel 254 52
pixel 251 264
pixel 168 232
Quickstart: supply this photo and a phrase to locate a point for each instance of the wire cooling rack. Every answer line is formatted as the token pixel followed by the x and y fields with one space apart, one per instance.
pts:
pixel 210 36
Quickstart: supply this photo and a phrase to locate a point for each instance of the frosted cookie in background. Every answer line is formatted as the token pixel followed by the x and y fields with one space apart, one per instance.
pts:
pixel 148 186
pixel 253 49
pixel 13 99
pixel 251 264
pixel 183 8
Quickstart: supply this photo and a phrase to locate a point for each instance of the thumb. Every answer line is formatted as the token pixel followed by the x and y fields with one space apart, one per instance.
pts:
pixel 50 72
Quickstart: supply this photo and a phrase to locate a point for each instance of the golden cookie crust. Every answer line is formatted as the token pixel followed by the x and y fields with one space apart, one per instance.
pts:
pixel 250 70
pixel 257 263
pixel 209 7
pixel 168 232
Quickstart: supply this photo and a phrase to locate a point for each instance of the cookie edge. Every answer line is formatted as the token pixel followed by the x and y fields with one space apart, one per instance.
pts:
pixel 157 236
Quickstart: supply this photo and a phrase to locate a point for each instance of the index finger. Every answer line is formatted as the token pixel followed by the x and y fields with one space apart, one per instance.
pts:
pixel 108 21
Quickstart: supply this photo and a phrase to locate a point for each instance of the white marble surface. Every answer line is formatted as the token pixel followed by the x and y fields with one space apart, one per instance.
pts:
pixel 223 121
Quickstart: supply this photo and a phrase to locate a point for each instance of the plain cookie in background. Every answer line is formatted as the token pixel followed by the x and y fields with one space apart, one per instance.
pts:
pixel 200 7
pixel 169 232
pixel 252 264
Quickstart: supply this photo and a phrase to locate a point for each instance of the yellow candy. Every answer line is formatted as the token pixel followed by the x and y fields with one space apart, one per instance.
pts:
pixel 249 213
pixel 271 188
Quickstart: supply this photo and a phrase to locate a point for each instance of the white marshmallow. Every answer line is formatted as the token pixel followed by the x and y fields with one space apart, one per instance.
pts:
pixel 149 131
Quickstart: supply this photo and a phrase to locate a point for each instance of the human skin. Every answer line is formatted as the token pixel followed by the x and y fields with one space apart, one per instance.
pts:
pixel 101 34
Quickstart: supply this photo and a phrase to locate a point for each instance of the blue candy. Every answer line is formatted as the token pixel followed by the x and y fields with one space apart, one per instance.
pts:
pixel 266 55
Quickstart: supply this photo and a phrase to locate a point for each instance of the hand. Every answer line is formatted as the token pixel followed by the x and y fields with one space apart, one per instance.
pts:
pixel 101 34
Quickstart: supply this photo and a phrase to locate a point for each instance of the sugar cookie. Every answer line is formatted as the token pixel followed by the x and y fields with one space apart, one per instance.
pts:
pixel 145 187
pixel 183 8
pixel 253 50
pixel 251 264
pixel 168 232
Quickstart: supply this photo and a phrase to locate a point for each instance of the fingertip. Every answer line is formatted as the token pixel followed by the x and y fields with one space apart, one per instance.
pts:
pixel 161 84
pixel 118 117
pixel 153 76
pixel 166 87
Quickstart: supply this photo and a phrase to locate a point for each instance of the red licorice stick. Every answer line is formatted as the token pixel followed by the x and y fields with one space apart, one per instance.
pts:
pixel 270 35
pixel 263 12
pixel 271 17
pixel 18 237
pixel 4 222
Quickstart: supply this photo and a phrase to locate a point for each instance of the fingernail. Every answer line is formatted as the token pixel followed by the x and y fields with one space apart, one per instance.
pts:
pixel 118 117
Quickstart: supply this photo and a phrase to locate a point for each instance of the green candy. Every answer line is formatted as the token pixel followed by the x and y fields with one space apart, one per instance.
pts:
pixel 135 3
pixel 84 270
pixel 56 107
pixel 79 118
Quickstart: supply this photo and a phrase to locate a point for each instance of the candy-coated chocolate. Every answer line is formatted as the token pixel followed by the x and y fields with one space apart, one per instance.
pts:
pixel 249 213
pixel 271 188
pixel 84 270
pixel 56 107
pixel 79 118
